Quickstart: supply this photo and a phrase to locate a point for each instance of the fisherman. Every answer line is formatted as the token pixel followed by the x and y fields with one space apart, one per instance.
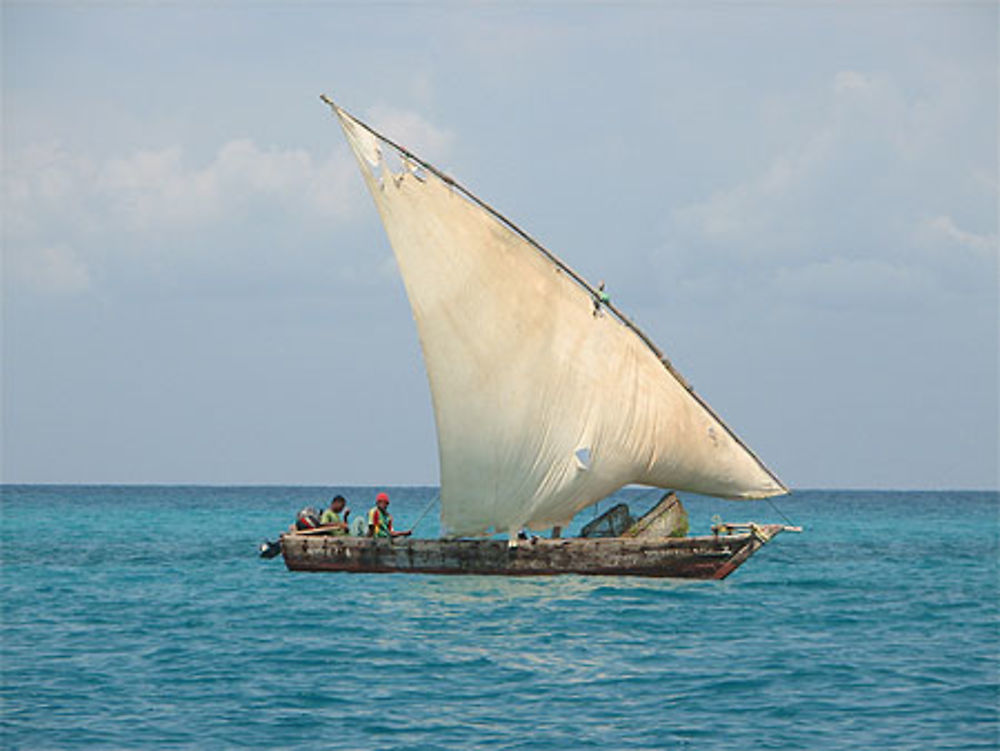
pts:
pixel 380 520
pixel 335 517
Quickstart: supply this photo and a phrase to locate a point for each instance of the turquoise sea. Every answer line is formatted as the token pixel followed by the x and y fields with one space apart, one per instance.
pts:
pixel 142 618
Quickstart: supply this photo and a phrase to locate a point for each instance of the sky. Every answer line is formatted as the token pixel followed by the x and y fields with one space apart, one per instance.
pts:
pixel 796 201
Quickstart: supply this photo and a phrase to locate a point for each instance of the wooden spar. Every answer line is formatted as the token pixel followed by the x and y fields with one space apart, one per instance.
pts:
pixel 709 557
pixel 321 530
pixel 728 527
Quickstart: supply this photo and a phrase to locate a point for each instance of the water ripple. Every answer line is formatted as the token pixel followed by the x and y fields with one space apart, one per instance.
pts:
pixel 145 631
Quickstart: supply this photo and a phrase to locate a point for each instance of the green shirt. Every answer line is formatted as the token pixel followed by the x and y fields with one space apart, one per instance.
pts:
pixel 332 517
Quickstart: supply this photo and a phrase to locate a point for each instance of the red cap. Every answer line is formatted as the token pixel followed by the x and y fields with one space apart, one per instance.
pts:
pixel 382 497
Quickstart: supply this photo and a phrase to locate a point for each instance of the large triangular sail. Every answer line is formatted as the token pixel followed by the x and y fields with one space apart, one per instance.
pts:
pixel 546 398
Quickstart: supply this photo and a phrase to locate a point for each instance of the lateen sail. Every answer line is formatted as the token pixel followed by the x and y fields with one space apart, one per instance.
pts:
pixel 545 401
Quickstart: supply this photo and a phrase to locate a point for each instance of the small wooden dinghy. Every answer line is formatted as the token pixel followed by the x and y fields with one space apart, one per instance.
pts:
pixel 547 400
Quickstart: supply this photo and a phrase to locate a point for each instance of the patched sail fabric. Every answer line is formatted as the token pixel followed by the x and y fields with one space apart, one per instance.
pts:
pixel 546 401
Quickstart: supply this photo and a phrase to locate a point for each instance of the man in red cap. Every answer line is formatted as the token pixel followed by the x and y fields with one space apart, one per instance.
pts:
pixel 380 520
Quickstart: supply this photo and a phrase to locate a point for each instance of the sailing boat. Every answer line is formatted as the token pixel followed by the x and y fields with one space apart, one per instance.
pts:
pixel 547 400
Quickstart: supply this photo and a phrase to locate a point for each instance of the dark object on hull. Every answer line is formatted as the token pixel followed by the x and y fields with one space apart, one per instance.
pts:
pixel 709 557
pixel 668 518
pixel 612 523
pixel 270 549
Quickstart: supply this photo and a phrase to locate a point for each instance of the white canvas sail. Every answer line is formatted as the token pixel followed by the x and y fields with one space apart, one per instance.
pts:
pixel 545 401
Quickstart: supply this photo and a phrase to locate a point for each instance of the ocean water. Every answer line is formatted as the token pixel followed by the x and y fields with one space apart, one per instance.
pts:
pixel 142 618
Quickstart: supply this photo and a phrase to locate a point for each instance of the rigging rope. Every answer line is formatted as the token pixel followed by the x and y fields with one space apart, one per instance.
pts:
pixel 780 512
pixel 424 512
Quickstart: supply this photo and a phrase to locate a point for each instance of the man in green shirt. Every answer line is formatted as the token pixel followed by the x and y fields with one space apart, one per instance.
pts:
pixel 335 517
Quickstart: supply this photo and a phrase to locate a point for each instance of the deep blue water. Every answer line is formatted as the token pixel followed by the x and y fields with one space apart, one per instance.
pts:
pixel 141 618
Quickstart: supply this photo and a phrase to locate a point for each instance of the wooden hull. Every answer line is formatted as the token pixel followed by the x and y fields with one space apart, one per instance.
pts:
pixel 711 557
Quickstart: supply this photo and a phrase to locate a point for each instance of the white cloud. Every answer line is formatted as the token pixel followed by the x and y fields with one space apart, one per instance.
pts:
pixel 56 269
pixel 43 182
pixel 843 211
pixel 67 214
pixel 985 245
pixel 154 188
pixel 853 283
pixel 852 80
pixel 413 132
pixel 767 205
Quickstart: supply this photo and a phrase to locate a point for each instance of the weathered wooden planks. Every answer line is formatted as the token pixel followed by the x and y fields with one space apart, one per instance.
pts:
pixel 712 557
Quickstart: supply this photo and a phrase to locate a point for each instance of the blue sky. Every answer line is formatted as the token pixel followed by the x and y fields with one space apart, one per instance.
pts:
pixel 797 201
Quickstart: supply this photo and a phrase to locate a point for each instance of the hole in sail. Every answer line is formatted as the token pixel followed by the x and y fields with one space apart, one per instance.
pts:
pixel 393 161
pixel 417 170
pixel 582 458
pixel 366 144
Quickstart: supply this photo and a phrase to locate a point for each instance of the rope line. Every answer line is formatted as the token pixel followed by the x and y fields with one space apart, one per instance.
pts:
pixel 424 512
pixel 781 513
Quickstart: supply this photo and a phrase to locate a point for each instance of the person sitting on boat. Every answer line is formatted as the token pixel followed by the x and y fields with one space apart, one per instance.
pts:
pixel 380 520
pixel 335 517
pixel 307 518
